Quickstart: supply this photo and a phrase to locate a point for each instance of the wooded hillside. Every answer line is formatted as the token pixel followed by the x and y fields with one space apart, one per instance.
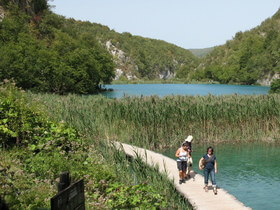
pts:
pixel 250 57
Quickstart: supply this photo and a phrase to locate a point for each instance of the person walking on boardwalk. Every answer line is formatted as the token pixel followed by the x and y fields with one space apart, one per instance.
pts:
pixel 182 157
pixel 188 141
pixel 209 163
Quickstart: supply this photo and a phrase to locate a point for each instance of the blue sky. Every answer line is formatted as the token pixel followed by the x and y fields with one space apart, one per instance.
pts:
pixel 186 23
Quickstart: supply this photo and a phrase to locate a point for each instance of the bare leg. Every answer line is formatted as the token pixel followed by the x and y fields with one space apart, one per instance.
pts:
pixel 181 177
pixel 181 174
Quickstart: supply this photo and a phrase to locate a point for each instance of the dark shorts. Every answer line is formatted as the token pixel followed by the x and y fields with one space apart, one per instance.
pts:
pixel 182 165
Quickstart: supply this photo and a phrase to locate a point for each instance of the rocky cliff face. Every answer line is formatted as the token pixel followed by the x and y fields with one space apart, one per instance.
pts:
pixel 126 67
pixel 167 74
pixel 268 79
pixel 2 13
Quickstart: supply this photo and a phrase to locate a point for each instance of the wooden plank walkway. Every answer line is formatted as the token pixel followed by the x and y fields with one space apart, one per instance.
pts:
pixel 192 190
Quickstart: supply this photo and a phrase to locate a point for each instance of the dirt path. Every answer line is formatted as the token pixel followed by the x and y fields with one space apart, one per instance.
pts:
pixel 193 188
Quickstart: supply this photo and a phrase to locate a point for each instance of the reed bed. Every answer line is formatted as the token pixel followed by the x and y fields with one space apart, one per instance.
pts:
pixel 158 123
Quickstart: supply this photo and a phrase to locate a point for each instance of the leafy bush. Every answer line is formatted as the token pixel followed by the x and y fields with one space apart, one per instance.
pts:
pixel 275 86
pixel 43 150
pixel 21 123
pixel 141 195
pixel 20 189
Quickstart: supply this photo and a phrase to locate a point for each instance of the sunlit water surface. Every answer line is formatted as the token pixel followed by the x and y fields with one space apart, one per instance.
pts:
pixel 182 89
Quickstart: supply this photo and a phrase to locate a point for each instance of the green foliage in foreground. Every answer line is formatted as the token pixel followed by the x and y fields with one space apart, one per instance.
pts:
pixel 158 123
pixel 40 53
pixel 23 124
pixel 275 86
pixel 29 167
pixel 135 172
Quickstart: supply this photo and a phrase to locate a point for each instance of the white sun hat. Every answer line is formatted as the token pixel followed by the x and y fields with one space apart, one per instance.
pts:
pixel 189 138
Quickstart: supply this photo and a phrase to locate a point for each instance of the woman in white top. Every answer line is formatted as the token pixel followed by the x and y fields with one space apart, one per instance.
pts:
pixel 182 157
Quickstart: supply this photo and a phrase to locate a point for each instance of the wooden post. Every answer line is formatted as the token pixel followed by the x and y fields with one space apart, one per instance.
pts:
pixel 69 196
pixel 64 181
pixel 3 205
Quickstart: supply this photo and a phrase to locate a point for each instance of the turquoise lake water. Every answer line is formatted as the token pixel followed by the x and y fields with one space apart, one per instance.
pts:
pixel 182 89
pixel 250 172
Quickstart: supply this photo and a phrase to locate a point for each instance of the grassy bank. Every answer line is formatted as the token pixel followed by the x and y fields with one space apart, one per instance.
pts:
pixel 158 123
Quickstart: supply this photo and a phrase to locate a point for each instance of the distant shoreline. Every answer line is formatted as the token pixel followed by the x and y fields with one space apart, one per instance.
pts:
pixel 173 81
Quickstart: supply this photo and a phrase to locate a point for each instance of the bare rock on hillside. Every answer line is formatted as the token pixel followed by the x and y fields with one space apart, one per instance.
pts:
pixel 125 65
pixel 2 14
pixel 267 80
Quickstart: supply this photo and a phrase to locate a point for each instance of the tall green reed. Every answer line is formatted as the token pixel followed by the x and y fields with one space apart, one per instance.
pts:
pixel 158 123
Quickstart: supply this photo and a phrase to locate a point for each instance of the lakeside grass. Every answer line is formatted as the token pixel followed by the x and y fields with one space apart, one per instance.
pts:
pixel 157 123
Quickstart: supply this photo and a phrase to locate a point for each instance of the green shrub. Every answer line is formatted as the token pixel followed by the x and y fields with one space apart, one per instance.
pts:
pixel 19 188
pixel 141 195
pixel 23 124
pixel 275 86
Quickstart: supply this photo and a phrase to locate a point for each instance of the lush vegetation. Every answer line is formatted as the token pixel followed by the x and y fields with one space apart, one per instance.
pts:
pixel 158 123
pixel 34 150
pixel 251 56
pixel 46 52
pixel 40 54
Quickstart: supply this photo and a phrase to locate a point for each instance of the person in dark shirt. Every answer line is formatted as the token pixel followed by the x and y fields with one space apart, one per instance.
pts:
pixel 209 163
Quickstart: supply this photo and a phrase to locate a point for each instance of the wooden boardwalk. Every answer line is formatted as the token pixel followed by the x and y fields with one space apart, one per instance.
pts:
pixel 192 190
